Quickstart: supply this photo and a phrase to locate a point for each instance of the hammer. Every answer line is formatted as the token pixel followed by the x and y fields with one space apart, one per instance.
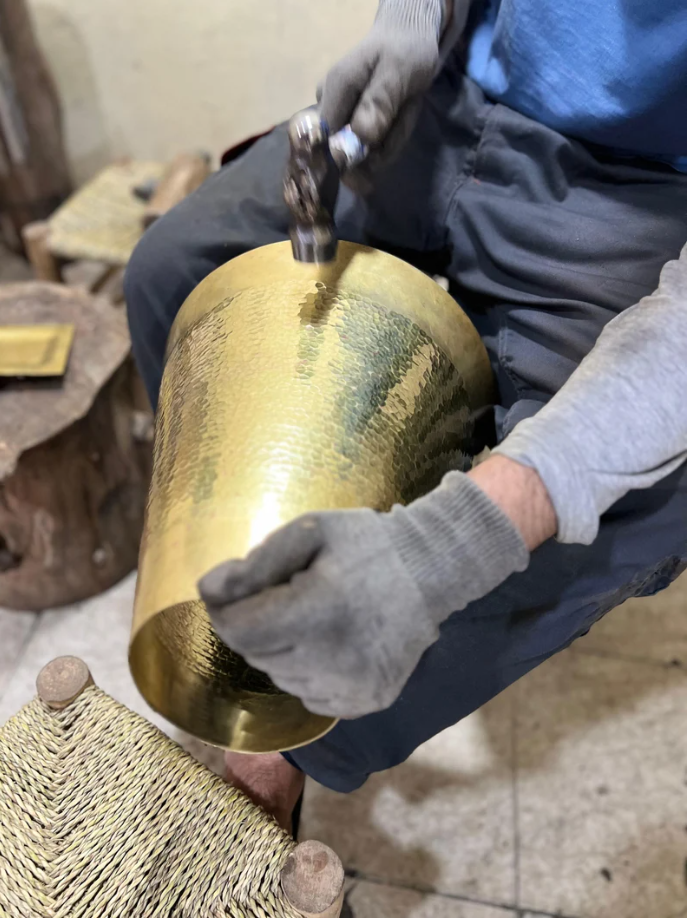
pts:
pixel 311 186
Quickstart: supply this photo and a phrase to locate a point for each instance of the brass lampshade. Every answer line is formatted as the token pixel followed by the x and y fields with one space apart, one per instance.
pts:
pixel 287 388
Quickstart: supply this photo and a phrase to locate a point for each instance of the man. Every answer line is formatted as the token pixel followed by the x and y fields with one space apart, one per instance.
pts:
pixel 543 173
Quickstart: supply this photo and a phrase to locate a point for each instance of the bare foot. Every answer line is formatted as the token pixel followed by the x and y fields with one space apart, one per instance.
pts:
pixel 269 780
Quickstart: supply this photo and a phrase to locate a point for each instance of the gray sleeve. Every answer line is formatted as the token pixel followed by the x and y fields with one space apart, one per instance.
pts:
pixel 446 18
pixel 620 422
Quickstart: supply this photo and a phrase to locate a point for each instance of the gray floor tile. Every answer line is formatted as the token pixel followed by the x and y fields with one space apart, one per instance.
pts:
pixel 554 915
pixel 443 820
pixel 377 900
pixel 15 628
pixel 97 630
pixel 601 748
pixel 654 628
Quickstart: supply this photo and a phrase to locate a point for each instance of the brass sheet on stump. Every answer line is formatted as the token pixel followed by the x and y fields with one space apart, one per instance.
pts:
pixel 287 388
pixel 35 350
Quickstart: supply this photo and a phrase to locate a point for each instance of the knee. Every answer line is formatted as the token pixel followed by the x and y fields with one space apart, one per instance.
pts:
pixel 156 283
pixel 144 285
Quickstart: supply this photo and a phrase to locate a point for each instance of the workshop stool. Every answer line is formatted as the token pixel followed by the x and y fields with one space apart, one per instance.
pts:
pixel 103 220
pixel 102 815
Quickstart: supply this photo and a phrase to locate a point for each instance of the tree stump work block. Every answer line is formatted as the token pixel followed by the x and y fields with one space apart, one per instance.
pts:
pixel 73 475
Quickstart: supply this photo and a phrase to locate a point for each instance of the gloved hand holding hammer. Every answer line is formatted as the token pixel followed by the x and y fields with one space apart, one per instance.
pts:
pixel 378 87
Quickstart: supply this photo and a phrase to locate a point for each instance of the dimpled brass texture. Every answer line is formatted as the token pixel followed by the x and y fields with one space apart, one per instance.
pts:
pixel 287 388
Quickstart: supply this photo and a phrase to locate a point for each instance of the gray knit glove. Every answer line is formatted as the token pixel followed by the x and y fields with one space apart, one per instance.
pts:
pixel 377 87
pixel 338 607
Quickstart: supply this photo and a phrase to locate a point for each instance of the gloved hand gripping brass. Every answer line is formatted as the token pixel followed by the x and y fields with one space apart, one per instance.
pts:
pixel 311 185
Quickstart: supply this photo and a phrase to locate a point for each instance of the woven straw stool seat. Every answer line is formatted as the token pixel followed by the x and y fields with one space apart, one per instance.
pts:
pixel 102 815
pixel 101 223
pixel 103 220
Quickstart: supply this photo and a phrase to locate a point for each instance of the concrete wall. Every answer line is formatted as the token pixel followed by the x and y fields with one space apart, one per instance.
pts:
pixel 149 78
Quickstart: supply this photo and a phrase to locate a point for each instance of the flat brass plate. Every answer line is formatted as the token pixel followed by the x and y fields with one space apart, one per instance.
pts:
pixel 35 350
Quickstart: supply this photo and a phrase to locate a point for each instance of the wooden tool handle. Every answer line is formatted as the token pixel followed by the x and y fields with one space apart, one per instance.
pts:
pixel 184 174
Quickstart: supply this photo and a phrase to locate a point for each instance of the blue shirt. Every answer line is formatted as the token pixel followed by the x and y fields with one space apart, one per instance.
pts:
pixel 611 72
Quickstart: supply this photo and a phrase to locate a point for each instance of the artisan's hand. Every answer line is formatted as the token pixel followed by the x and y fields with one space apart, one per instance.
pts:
pixel 337 608
pixel 378 86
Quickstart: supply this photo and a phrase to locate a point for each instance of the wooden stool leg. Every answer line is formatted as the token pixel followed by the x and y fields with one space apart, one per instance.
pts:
pixel 312 880
pixel 46 267
pixel 62 681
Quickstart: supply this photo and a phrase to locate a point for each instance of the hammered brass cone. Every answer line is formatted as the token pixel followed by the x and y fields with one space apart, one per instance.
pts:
pixel 287 388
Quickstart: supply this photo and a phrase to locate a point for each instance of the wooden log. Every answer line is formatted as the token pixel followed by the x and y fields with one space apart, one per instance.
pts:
pixel 34 178
pixel 312 881
pixel 73 475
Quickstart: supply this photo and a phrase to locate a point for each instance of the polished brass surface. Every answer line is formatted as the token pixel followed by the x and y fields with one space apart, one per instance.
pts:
pixel 288 387
pixel 35 350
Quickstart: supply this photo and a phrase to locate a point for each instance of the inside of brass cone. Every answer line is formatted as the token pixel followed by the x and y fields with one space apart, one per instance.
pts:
pixel 189 676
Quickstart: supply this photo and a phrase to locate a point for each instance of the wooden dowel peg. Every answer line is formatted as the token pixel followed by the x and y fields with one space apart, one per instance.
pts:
pixel 312 880
pixel 36 238
pixel 62 681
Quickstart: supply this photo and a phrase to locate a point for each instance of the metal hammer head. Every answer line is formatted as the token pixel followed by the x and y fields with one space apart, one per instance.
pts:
pixel 311 185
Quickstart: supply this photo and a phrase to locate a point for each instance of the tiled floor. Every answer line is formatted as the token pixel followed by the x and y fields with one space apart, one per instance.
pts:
pixel 565 796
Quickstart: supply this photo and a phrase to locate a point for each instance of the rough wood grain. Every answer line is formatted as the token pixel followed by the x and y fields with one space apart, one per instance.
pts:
pixel 73 476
